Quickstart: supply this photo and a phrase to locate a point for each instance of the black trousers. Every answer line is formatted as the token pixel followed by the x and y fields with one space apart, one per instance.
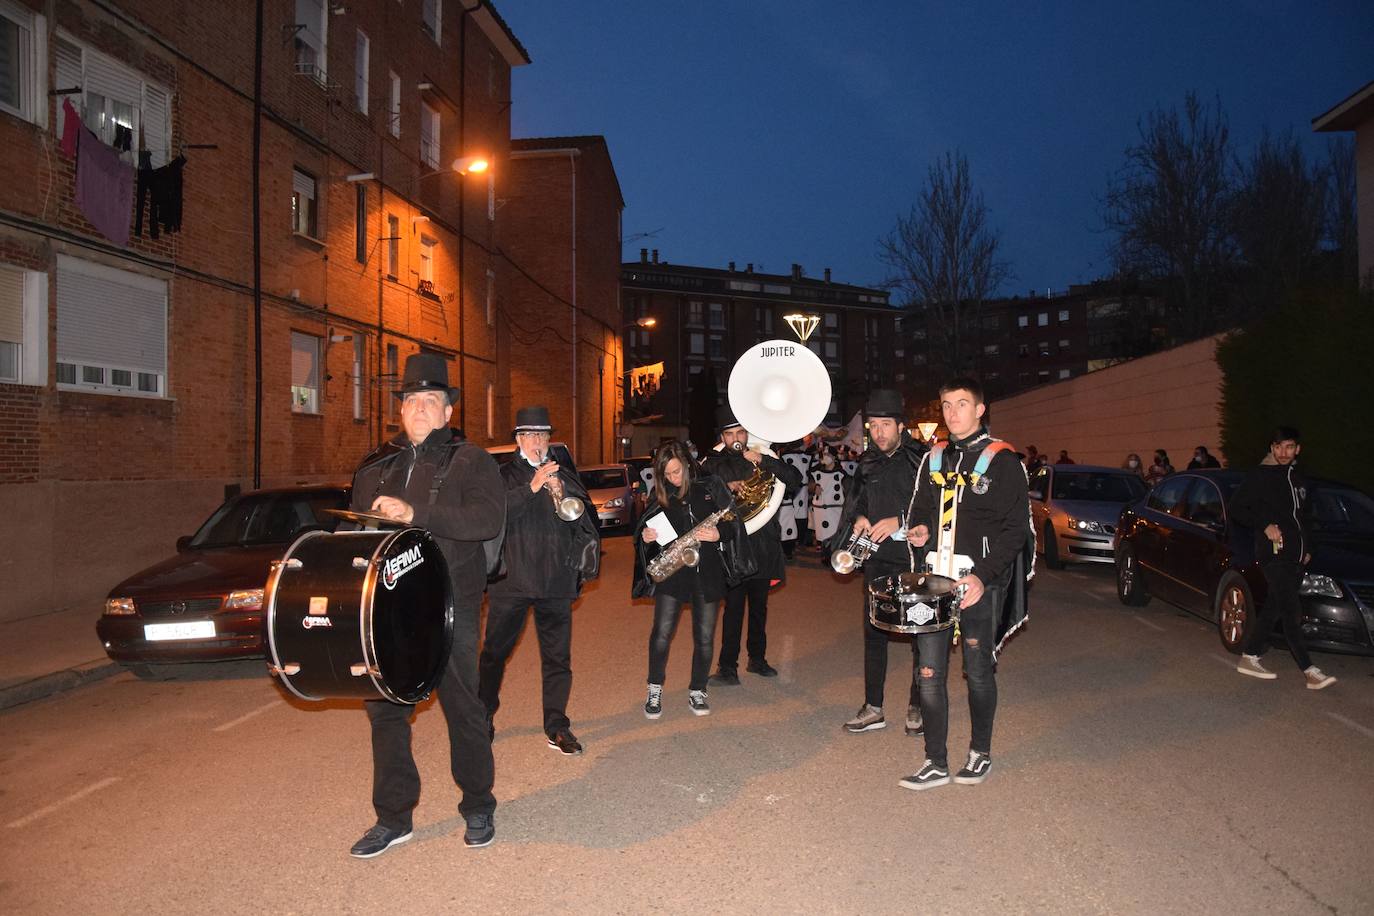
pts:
pixel 667 610
pixel 553 625
pixel 876 642
pixel 979 624
pixel 1282 603
pixel 755 592
pixel 395 780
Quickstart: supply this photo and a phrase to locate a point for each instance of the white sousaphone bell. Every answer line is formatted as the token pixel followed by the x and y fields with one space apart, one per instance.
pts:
pixel 779 391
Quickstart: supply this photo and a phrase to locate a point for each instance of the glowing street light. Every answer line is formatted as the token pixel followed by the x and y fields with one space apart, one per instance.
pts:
pixel 802 325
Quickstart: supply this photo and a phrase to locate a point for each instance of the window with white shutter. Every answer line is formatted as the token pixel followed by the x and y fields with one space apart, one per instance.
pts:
pixel 312 33
pixel 114 96
pixel 362 53
pixel 432 12
pixel 23 63
pixel 11 324
pixel 305 373
pixel 429 136
pixel 304 216
pixel 111 329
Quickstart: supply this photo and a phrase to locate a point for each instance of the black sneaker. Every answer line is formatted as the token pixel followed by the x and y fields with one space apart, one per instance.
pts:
pixel 653 706
pixel 761 668
pixel 378 840
pixel 481 830
pixel 696 699
pixel 928 776
pixel 976 770
pixel 563 740
pixel 728 677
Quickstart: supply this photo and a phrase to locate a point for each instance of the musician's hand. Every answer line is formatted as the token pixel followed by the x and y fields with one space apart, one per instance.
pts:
pixel 394 508
pixel 542 475
pixel 861 526
pixel 753 456
pixel 735 486
pixel 918 536
pixel 649 535
pixel 709 533
pixel 884 529
pixel 973 590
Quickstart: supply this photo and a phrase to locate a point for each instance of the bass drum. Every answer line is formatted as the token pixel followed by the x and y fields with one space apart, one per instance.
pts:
pixel 360 615
pixel 913 602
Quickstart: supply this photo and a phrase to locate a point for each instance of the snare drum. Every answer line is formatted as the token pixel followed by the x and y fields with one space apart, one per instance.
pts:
pixel 912 602
pixel 360 614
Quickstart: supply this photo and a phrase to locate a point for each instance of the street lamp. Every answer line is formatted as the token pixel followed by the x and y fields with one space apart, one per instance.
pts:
pixel 802 325
pixel 927 428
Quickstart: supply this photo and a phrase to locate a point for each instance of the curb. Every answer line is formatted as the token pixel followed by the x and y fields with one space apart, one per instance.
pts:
pixel 57 682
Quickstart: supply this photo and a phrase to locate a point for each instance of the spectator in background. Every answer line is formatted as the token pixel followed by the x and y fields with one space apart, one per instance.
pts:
pixel 1064 457
pixel 1133 464
pixel 1160 469
pixel 1033 459
pixel 1202 459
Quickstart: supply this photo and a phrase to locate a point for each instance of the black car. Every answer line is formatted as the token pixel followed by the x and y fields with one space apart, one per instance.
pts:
pixel 1179 543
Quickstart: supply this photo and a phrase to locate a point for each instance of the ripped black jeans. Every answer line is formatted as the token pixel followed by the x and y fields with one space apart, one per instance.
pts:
pixel 667 610
pixel 977 637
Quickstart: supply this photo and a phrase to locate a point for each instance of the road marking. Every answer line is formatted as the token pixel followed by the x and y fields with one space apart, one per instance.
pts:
pixel 1228 662
pixel 246 716
pixel 1367 732
pixel 44 812
pixel 1152 625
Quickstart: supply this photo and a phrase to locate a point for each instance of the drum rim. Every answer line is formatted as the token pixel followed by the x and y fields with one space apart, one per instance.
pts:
pixel 365 629
pixel 270 591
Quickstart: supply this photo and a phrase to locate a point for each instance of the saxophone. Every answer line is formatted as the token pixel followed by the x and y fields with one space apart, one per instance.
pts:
pixel 686 550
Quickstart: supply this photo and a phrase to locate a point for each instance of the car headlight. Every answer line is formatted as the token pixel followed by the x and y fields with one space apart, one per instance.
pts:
pixel 1083 524
pixel 1314 584
pixel 614 503
pixel 249 599
pixel 119 607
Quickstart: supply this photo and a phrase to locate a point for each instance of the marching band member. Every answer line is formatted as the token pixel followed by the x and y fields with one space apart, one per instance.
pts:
pixel 734 463
pixel 546 560
pixel 974 488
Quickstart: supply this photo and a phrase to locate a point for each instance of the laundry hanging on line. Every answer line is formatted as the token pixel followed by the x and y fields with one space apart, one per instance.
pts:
pixel 161 188
pixel 104 187
pixel 71 127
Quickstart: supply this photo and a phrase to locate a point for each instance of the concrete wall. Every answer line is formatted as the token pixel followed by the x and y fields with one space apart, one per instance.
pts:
pixel 1171 400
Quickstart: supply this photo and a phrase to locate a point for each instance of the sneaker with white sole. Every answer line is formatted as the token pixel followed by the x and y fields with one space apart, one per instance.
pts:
pixel 914 726
pixel 975 770
pixel 653 706
pixel 867 719
pixel 1250 664
pixel 1316 679
pixel 696 699
pixel 929 776
pixel 378 840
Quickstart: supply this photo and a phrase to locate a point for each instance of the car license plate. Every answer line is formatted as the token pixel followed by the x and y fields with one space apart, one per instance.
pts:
pixel 191 629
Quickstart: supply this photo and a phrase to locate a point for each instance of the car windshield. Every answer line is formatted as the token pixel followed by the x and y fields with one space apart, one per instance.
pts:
pixel 1342 510
pixel 268 518
pixel 1106 488
pixel 605 479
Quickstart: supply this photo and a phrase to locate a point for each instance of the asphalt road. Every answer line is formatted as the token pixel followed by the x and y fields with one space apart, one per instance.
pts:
pixel 1134 771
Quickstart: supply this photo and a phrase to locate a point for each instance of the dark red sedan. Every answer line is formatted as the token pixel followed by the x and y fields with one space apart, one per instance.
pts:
pixel 205 603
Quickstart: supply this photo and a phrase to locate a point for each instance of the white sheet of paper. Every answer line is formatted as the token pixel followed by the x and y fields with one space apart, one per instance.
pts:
pixel 663 528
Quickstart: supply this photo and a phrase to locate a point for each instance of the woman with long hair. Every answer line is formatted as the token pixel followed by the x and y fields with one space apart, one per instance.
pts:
pixel 1160 469
pixel 1132 464
pixel 685 497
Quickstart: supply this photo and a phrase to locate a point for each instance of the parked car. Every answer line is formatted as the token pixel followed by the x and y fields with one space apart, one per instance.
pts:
pixel 641 472
pixel 1075 508
pixel 1180 544
pixel 205 603
pixel 608 485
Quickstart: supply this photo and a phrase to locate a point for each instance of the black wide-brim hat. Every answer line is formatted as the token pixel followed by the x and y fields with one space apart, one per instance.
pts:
pixel 426 372
pixel 725 419
pixel 533 420
pixel 884 402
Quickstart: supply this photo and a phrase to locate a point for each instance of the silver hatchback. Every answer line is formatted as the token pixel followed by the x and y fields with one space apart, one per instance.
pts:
pixel 609 487
pixel 1075 508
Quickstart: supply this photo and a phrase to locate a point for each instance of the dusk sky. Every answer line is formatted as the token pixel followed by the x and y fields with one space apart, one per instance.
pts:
pixel 785 131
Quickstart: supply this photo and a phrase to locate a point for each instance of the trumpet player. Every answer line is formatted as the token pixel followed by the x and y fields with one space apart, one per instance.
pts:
pixel 882 491
pixel 683 501
pixel 550 550
pixel 735 463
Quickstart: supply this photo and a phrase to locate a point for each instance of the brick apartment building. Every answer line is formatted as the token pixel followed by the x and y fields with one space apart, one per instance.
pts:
pixel 560 229
pixel 706 317
pixel 128 403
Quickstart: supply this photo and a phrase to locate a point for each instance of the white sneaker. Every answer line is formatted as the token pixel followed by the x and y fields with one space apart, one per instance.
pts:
pixel 1250 664
pixel 1316 680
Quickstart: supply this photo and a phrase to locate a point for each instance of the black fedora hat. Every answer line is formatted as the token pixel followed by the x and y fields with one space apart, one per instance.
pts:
pixel 426 372
pixel 884 402
pixel 533 420
pixel 725 418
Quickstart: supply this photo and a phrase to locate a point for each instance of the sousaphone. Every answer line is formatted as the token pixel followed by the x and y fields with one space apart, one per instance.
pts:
pixel 779 391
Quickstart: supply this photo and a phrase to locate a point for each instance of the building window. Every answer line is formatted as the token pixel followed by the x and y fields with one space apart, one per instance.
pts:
pixel 433 13
pixel 696 343
pixel 717 315
pixel 1023 321
pixel 305 373
pixel 304 216
pixel 1044 348
pixel 429 136
pixel 918 359
pixel 22 40
pixel 427 258
pixel 491 411
pixel 394 111
pixel 1063 343
pixel 360 223
pixel 1022 350
pixel 393 381
pixel 832 350
pixel 1065 373
pixel 992 350
pixel 694 314
pixel 312 32
pixel 717 347
pixel 111 329
pixel 1063 315
pixel 1042 319
pixel 116 103
pixel 491 298
pixel 832 321
pixel 1043 375
pixel 763 322
pixel 361 56
pixel 991 322
pixel 491 74
pixel 359 379
pixel 991 376
pixel 393 247
pixel 23 326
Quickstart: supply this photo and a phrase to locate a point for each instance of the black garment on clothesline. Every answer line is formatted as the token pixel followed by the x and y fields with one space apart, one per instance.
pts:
pixel 163 189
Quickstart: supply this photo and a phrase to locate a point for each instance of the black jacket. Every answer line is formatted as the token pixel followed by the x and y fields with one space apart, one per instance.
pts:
pixel 544 556
pixel 882 488
pixel 1274 494
pixel 468 509
pixel 723 564
pixel 766 543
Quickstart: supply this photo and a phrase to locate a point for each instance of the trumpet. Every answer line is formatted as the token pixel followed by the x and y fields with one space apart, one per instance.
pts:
pixel 850 557
pixel 568 508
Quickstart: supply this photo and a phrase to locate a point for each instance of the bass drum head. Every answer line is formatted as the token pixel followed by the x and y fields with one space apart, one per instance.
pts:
pixel 411 628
